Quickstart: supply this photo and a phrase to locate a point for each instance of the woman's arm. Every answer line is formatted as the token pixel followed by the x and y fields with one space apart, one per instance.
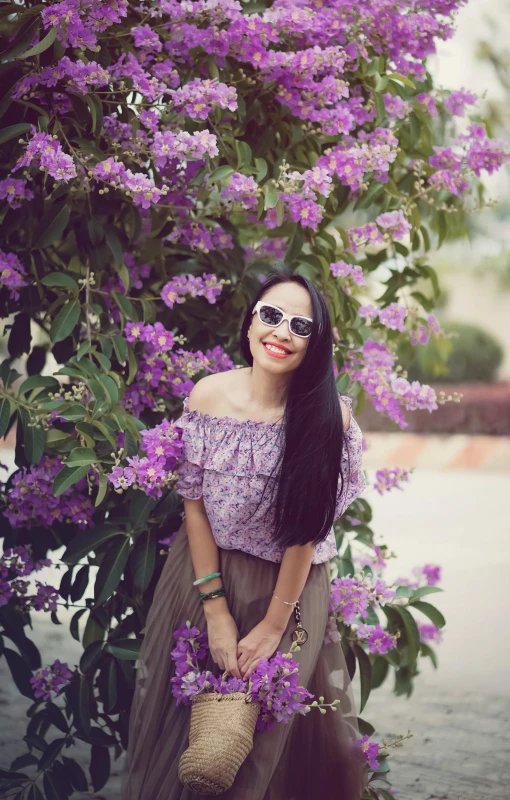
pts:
pixel 221 627
pixel 264 638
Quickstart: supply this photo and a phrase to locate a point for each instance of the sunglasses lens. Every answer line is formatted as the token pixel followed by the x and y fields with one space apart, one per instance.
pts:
pixel 270 316
pixel 301 326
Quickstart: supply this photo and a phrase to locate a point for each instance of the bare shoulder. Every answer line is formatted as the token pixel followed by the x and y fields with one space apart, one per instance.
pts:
pixel 209 394
pixel 346 414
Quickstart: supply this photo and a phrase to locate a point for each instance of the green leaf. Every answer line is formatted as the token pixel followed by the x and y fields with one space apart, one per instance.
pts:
pixel 14 130
pixel 76 774
pixel 52 226
pixel 43 45
pixel 140 509
pixel 96 112
pixel 91 656
pixel 5 415
pixel 125 649
pixel 431 612
pixel 220 174
pixel 143 560
pixel 428 651
pixel 34 438
pixel 121 348
pixel 103 487
pixel 411 629
pixel 65 321
pixel 244 154
pixel 365 672
pixel 88 541
pixel 20 671
pixel 261 165
pixel 80 457
pixel 126 306
pixel 83 705
pixel 394 76
pixel 38 382
pixel 99 767
pixel 51 753
pixel 113 242
pixel 67 477
pixel 62 279
pixel 271 196
pixel 424 590
pixel 110 572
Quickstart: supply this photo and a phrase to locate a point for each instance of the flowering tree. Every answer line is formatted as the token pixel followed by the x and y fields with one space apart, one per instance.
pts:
pixel 156 158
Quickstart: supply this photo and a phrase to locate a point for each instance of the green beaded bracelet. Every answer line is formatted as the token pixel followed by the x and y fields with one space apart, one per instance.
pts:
pixel 212 595
pixel 207 578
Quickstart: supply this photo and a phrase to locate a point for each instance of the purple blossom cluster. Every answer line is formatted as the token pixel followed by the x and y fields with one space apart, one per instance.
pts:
pixel 396 108
pixel 32 502
pixel 367 751
pixel 427 575
pixel 169 146
pixel 177 288
pixel 51 679
pixel 351 597
pixel 14 191
pixel 456 102
pixel 378 640
pixel 77 21
pixel 241 190
pixel 199 97
pixel 352 272
pixel 140 187
pixel 274 683
pixel 17 563
pixel 77 76
pixel 387 479
pixel 373 366
pixel 12 273
pixel 423 332
pixel 388 227
pixel 46 152
pixel 199 237
pixel 429 633
pixel 470 153
pixel 356 158
pixel 154 471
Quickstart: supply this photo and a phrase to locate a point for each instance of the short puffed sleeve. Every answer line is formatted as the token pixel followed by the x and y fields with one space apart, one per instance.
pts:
pixel 354 482
pixel 190 465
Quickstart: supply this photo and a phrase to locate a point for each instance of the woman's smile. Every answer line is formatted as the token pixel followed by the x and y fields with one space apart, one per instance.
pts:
pixel 275 350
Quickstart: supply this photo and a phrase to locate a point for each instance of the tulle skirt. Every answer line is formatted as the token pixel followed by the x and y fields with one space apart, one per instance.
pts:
pixel 309 757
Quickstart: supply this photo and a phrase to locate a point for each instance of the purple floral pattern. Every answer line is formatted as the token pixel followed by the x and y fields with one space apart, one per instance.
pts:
pixel 227 461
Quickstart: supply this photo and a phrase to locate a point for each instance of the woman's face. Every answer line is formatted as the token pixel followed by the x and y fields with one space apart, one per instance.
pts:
pixel 293 299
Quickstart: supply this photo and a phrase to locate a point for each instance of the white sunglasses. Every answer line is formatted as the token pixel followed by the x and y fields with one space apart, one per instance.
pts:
pixel 274 316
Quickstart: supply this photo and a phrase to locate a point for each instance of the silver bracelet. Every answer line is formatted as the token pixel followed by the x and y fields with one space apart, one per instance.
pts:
pixel 285 601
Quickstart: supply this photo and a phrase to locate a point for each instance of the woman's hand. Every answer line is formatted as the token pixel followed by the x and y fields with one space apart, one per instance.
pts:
pixel 261 642
pixel 223 635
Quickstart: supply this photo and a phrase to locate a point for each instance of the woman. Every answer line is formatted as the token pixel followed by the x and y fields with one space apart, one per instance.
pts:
pixel 271 458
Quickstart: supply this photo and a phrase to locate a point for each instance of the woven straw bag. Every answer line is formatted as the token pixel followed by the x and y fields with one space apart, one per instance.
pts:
pixel 220 738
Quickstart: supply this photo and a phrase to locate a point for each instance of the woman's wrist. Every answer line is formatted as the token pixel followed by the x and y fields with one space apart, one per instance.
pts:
pixel 278 614
pixel 215 607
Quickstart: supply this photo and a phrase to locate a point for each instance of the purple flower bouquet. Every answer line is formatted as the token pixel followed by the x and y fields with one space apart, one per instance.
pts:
pixel 226 711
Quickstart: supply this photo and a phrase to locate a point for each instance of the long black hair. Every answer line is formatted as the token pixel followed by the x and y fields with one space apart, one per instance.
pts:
pixel 309 464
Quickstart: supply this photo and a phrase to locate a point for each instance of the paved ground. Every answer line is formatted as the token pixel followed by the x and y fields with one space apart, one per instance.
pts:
pixel 459 715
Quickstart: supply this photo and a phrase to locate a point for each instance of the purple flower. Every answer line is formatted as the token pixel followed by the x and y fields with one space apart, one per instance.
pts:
pixel 367 751
pixel 457 101
pixel 12 273
pixel 429 633
pixel 14 190
pixel 51 679
pixel 377 639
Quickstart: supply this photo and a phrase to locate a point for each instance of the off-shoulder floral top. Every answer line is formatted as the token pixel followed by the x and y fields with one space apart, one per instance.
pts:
pixel 227 461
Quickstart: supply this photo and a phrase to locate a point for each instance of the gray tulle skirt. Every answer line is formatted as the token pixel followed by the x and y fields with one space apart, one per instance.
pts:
pixel 306 758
